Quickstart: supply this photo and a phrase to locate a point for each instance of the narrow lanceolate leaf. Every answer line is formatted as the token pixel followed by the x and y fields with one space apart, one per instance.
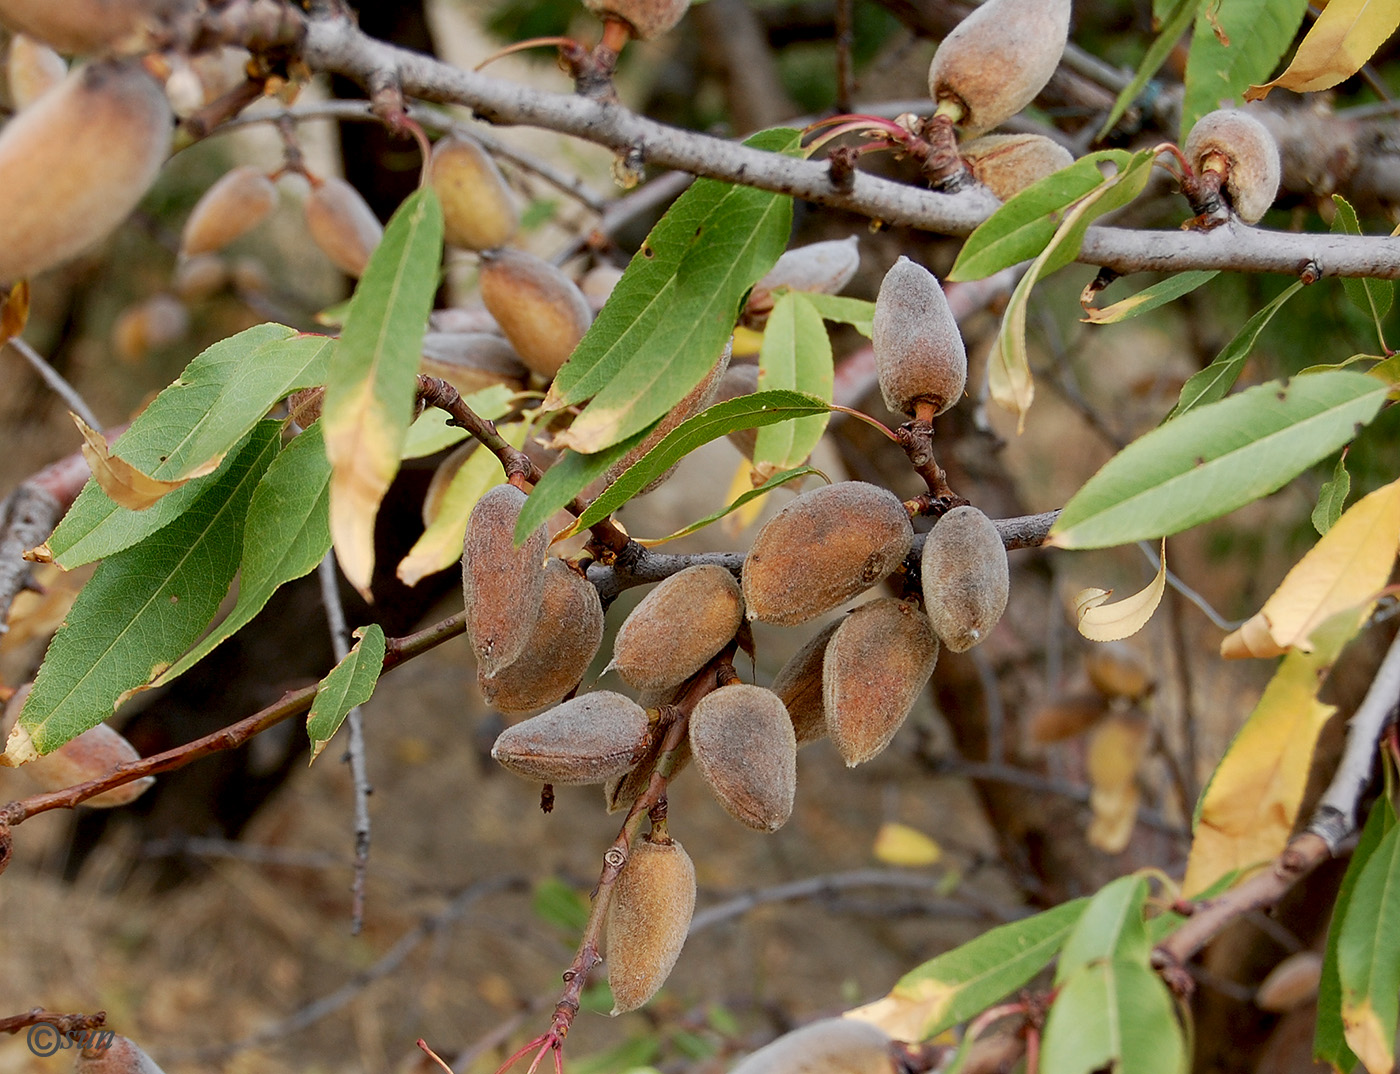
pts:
pixel 1329 1040
pixel 144 606
pixel 575 472
pixel 1174 16
pixel 372 379
pixel 967 980
pixel 1022 228
pixel 796 356
pixel 350 683
pixel 1344 570
pixel 124 484
pixel 1332 497
pixel 286 536
pixel 1372 297
pixel 1111 926
pixel 1116 1014
pixel 1368 958
pixel 856 312
pixel 1150 298
pixel 1217 458
pixel 1101 621
pixel 1343 38
pixel 1215 380
pixel 736 504
pixel 674 307
pixel 1255 33
pixel 209 409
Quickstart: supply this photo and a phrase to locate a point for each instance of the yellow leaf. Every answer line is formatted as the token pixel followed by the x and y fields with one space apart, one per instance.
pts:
pixel 364 457
pixel 1115 817
pixel 1345 36
pixel 743 517
pixel 1099 621
pixel 899 844
pixel 747 342
pixel 1117 749
pixel 1367 1037
pixel 126 485
pixel 1009 379
pixel 1344 570
pixel 14 313
pixel 904 1015
pixel 1252 802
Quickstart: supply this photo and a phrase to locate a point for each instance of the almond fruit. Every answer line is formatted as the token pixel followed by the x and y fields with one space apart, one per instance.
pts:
pixel 233 206
pixel 541 311
pixel 746 749
pixel 648 918
pixel 831 1046
pixel 478 212
pixel 1008 163
pixel 678 627
pixel 502 584
pixel 1241 149
pixel 919 352
pixel 966 577
pixel 799 686
pixel 587 739
pixel 343 225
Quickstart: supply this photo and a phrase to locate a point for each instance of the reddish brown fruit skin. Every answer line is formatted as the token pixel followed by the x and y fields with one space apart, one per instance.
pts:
pixel 1008 163
pixel 822 549
pixel 588 739
pixel 541 311
pixel 745 747
pixel 678 627
pixel 1245 152
pixel 645 18
pixel 477 210
pixel 966 577
pixel 919 352
pixel 799 686
pixel 233 206
pixel 502 585
pixel 648 918
pixel 831 1046
pixel 75 163
pixel 343 225
pixel 567 634
pixel 998 58
pixel 32 69
pixel 875 668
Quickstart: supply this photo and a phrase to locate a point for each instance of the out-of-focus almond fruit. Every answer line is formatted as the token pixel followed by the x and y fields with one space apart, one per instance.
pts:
pixel 32 69
pixel 149 325
pixel 541 311
pixel 876 665
pixel 249 276
pixel 478 212
pixel 831 1046
pixel 678 627
pixel 1066 717
pixel 1291 983
pixel 470 361
pixel 343 225
pixel 743 741
pixel 113 1054
pixel 89 25
pixel 456 319
pixel 198 278
pixel 1008 163
pixel 567 634
pixel 966 577
pixel 645 18
pixel 799 686
pixel 502 584
pixel 233 206
pixel 997 59
pixel 822 549
pixel 1116 670
pixel 75 163
pixel 648 918
pixel 587 739
pixel 598 283
pixel 822 267
pixel 919 352
pixel 1237 145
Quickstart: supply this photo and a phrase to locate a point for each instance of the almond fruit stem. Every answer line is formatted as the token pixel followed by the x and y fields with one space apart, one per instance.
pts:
pixel 916 438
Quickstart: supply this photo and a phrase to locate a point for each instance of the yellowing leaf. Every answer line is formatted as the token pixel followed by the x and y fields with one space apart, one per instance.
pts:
pixel 899 844
pixel 1345 36
pixel 905 1015
pixel 1252 802
pixel 124 484
pixel 1099 621
pixel 363 445
pixel 1344 570
pixel 1367 1037
pixel 737 521
pixel 1117 750
pixel 14 312
pixel 1115 817
pixel 747 342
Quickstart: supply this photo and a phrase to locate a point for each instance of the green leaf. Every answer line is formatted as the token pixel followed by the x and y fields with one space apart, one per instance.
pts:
pixel 1258 33
pixel 558 904
pixel 1216 379
pixel 431 433
pixel 373 377
pixel 796 355
pixel 1368 957
pixel 1111 926
pixel 1372 297
pixel 856 312
pixel 147 604
pixel 286 535
pixel 567 477
pixel 1150 298
pixel 210 408
pixel 1022 228
pixel 1332 497
pixel 1329 1040
pixel 669 316
pixel 738 502
pixel 967 980
pixel 1173 16
pixel 349 683
pixel 1217 458
pixel 1113 1014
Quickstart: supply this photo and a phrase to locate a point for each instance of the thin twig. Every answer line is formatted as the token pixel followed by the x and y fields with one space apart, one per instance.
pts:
pixel 1175 582
pixel 64 1023
pixel 60 387
pixel 355 748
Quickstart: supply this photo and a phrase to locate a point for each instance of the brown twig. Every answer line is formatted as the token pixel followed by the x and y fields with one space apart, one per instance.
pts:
pixel 64 1023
